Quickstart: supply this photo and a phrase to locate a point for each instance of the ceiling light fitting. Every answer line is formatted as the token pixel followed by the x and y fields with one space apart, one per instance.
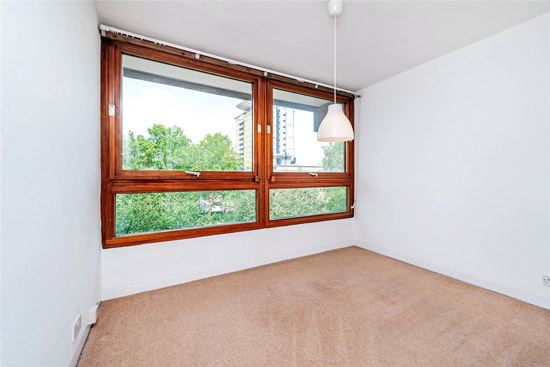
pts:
pixel 335 126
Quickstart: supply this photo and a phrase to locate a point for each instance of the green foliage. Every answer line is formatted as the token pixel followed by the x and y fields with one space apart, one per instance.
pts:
pixel 168 148
pixel 288 203
pixel 137 213
pixel 214 153
pixel 334 157
pixel 148 212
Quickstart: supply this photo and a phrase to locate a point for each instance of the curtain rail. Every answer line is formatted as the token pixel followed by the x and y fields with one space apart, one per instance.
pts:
pixel 105 28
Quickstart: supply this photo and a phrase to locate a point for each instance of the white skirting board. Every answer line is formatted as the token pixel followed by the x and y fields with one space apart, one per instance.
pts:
pixel 127 290
pixel 81 343
pixel 511 292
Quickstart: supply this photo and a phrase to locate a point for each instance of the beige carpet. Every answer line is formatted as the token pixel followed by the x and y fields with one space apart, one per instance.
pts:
pixel 348 307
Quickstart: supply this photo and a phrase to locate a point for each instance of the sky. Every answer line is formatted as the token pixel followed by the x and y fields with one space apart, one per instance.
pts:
pixel 198 113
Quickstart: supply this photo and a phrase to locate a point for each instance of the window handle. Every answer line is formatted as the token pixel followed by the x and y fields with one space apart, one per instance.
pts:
pixel 313 174
pixel 193 173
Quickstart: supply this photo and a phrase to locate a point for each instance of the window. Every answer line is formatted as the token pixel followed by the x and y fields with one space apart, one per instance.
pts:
pixel 291 203
pixel 163 211
pixel 189 148
pixel 176 118
pixel 296 120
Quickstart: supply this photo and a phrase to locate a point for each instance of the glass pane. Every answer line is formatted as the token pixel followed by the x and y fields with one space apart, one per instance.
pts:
pixel 163 211
pixel 175 118
pixel 296 120
pixel 289 203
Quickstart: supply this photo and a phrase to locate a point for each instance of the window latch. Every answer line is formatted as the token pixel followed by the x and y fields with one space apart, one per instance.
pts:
pixel 111 110
pixel 313 174
pixel 193 173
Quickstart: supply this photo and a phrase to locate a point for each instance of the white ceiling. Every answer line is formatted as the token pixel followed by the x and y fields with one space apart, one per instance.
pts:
pixel 376 39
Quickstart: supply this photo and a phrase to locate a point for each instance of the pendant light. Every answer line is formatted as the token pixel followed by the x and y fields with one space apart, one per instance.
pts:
pixel 335 126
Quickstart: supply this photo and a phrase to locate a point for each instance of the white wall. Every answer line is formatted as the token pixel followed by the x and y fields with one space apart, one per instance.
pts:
pixel 50 178
pixel 136 269
pixel 453 163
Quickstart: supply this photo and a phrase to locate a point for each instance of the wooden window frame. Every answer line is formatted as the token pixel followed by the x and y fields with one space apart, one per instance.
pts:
pixel 115 180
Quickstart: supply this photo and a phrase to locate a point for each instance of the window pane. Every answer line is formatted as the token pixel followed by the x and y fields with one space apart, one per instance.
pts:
pixel 289 203
pixel 163 211
pixel 296 120
pixel 175 118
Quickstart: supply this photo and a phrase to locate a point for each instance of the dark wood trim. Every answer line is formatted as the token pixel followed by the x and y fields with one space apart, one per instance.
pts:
pixel 139 239
pixel 308 219
pixel 350 158
pixel 115 181
pixel 105 179
pixel 259 119
pixel 175 186
pixel 302 184
pixel 306 176
pixel 181 175
pixel 191 63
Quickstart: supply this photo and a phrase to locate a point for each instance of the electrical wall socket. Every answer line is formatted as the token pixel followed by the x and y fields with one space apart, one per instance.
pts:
pixel 76 327
pixel 546 280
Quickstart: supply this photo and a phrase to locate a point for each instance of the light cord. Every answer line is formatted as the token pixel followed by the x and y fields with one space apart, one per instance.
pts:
pixel 335 60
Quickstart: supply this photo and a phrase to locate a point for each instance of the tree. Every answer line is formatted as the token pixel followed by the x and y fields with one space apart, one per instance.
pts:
pixel 288 203
pixel 334 157
pixel 215 153
pixel 151 212
pixel 168 148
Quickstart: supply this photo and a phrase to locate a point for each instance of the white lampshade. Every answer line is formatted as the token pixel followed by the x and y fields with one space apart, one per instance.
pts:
pixel 335 126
